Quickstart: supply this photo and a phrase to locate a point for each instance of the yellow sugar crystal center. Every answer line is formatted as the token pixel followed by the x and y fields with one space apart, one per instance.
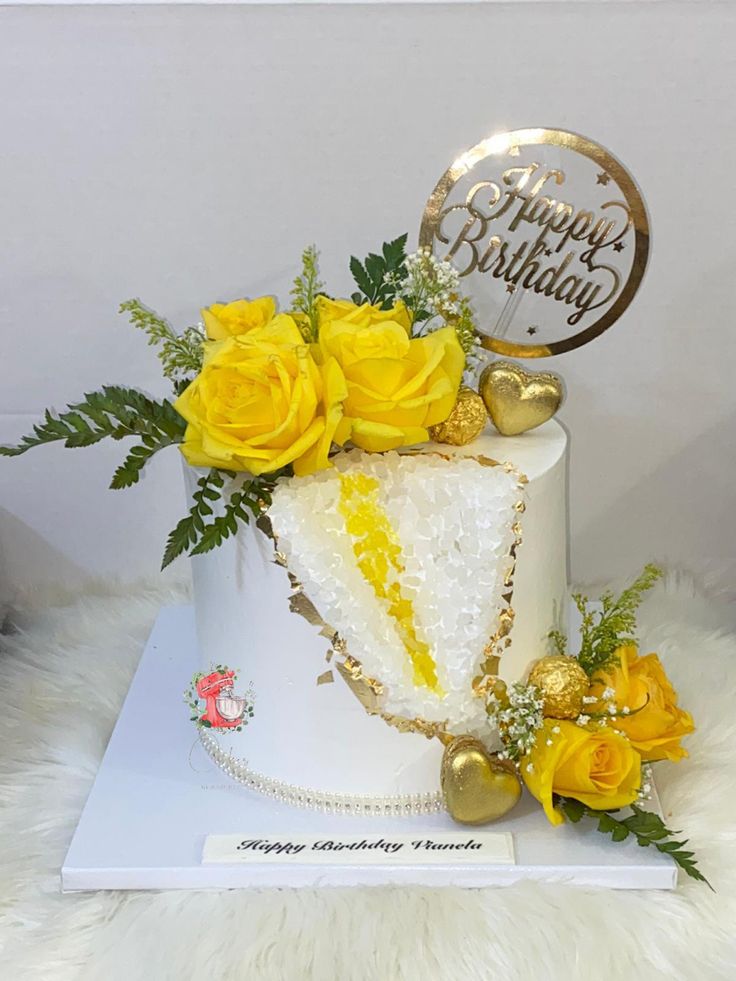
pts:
pixel 378 552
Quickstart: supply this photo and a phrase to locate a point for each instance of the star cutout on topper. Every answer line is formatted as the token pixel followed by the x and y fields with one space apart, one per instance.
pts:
pixel 602 178
pixel 532 330
pixel 618 247
pixel 510 288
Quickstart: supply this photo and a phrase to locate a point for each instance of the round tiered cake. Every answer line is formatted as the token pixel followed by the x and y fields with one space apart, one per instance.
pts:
pixel 377 600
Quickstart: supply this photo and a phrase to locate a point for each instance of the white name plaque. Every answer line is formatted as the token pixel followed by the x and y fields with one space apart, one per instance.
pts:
pixel 439 848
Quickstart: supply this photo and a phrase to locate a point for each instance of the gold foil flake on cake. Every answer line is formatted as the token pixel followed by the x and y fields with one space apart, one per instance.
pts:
pixel 300 603
pixel 492 652
pixel 430 730
pixel 326 678
pixel 339 646
pixel 367 690
pixel 378 553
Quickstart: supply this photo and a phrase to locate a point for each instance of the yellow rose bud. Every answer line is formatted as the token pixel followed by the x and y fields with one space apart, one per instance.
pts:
pixel 365 315
pixel 261 402
pixel 594 765
pixel 397 387
pixel 223 320
pixel 646 704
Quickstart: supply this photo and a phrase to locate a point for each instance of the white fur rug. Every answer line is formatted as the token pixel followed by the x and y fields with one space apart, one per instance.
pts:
pixel 65 672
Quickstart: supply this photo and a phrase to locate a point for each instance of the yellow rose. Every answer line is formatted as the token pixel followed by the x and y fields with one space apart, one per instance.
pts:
pixel 223 320
pixel 397 387
pixel 654 724
pixel 595 766
pixel 365 315
pixel 261 402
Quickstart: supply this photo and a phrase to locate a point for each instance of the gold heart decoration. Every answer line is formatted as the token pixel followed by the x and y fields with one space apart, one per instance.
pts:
pixel 519 400
pixel 477 787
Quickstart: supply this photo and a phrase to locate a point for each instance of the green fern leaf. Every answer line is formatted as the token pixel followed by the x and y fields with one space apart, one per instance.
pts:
pixel 196 536
pixel 114 412
pixel 647 828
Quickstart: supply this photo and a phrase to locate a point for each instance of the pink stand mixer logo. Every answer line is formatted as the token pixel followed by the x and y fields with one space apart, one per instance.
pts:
pixel 214 703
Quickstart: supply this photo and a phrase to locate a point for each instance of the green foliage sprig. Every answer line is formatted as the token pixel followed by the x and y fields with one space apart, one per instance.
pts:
pixel 645 826
pixel 307 287
pixel 180 354
pixel 559 641
pixel 604 630
pixel 378 275
pixel 467 332
pixel 195 535
pixel 114 412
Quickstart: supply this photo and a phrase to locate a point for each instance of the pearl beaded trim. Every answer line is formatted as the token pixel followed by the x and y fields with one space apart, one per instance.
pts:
pixel 401 805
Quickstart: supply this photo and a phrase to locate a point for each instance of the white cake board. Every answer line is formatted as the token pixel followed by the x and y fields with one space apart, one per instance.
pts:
pixel 157 796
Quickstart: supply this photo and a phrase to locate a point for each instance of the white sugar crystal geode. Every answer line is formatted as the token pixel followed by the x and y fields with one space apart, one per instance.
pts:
pixel 453 519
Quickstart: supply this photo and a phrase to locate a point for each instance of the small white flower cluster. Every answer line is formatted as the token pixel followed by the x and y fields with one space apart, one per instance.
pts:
pixel 517 715
pixel 430 285
pixel 605 708
pixel 645 791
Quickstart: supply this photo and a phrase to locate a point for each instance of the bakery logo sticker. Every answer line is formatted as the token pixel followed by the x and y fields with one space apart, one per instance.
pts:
pixel 550 230
pixel 214 703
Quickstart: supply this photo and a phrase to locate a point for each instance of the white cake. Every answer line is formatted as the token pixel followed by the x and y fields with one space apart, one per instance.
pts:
pixel 458 523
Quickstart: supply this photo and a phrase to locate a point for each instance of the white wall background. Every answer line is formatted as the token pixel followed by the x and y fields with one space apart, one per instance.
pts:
pixel 185 154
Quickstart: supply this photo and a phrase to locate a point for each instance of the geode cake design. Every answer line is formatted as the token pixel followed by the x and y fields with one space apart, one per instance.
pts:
pixel 409 559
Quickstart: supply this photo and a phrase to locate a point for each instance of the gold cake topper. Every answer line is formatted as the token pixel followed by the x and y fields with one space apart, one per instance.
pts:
pixel 557 227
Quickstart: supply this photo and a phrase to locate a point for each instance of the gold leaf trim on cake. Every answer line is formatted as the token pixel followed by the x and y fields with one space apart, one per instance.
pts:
pixel 430 730
pixel 369 690
pixel 300 603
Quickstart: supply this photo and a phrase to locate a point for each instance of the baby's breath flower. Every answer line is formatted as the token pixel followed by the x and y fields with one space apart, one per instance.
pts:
pixel 430 287
pixel 517 716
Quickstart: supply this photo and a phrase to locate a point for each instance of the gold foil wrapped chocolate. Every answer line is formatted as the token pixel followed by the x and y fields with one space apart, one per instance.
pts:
pixel 477 787
pixel 563 683
pixel 465 423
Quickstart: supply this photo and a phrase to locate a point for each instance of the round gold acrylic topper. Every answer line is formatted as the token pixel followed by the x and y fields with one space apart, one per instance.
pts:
pixel 551 232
